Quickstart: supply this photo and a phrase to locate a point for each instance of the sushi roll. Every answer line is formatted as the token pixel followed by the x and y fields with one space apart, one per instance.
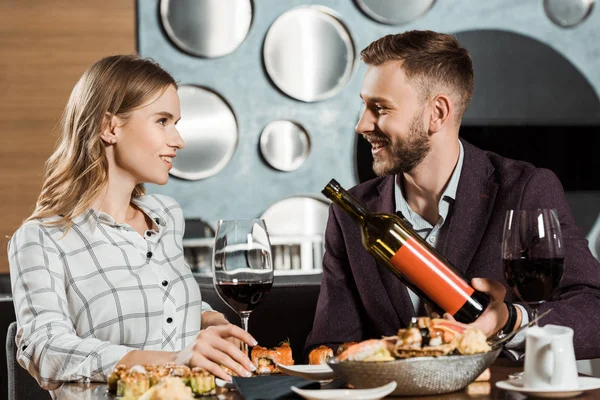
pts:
pixel 202 382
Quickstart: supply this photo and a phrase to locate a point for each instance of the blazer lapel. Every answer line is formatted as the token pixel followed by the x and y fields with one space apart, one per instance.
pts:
pixel 398 301
pixel 475 197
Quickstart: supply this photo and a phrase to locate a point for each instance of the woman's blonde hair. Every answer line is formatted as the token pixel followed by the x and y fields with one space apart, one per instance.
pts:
pixel 77 172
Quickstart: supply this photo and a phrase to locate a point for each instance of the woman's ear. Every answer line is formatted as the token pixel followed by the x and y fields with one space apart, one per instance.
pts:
pixel 440 112
pixel 108 135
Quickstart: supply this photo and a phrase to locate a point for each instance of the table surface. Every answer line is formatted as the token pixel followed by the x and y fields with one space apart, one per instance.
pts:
pixel 477 390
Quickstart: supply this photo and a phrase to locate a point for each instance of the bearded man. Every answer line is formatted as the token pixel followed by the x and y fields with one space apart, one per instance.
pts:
pixel 416 89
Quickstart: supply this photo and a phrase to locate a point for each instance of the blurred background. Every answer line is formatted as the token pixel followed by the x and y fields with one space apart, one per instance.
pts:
pixel 269 92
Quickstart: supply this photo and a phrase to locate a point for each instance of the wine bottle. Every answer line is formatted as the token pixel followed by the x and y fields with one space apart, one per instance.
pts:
pixel 421 267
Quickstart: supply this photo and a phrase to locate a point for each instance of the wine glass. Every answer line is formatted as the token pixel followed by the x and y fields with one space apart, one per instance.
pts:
pixel 533 254
pixel 243 266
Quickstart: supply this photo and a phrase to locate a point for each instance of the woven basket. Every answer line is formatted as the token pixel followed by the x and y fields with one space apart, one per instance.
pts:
pixel 416 376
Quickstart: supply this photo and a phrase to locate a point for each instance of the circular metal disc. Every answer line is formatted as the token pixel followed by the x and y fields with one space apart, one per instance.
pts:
pixel 298 215
pixel 206 28
pixel 395 12
pixel 568 13
pixel 284 145
pixel 209 129
pixel 309 53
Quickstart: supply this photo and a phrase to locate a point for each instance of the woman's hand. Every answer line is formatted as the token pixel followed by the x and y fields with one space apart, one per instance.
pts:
pixel 212 318
pixel 212 349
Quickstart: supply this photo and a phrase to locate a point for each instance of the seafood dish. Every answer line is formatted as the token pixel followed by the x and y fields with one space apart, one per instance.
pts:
pixel 267 360
pixel 320 355
pixel 135 382
pixel 342 347
pixel 424 337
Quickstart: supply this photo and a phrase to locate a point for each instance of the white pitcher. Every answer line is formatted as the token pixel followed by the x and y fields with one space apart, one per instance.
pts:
pixel 550 359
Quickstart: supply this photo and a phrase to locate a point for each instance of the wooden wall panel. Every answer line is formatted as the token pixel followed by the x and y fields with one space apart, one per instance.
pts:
pixel 45 45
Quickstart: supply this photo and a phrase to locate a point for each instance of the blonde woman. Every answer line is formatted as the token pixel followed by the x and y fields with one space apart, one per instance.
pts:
pixel 98 273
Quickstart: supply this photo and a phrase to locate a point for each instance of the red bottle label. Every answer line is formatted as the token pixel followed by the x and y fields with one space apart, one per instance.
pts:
pixel 432 276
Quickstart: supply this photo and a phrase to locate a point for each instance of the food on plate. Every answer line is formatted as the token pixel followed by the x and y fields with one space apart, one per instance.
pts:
pixel 342 347
pixel 424 337
pixel 170 388
pixel 485 376
pixel 267 360
pixel 202 382
pixel 427 337
pixel 472 341
pixel 478 389
pixel 369 350
pixel 320 355
pixel 132 383
pixel 114 377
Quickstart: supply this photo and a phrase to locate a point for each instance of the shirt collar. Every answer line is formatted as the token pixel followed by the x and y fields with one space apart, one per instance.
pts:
pixel 448 195
pixel 91 218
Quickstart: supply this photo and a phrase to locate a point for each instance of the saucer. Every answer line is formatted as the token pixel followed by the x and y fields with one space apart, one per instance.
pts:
pixel 585 383
pixel 320 372
pixel 354 394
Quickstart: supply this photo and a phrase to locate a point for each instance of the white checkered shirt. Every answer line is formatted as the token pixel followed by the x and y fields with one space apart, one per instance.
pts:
pixel 85 299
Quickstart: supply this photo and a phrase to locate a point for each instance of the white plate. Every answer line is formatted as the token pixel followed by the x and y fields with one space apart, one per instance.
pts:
pixel 585 383
pixel 354 394
pixel 320 372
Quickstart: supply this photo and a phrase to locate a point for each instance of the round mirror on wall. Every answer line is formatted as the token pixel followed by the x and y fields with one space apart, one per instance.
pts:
pixel 395 12
pixel 209 128
pixel 568 13
pixel 206 28
pixel 309 53
pixel 285 145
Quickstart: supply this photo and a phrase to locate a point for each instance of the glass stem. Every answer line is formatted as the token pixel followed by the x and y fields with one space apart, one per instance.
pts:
pixel 245 316
pixel 534 314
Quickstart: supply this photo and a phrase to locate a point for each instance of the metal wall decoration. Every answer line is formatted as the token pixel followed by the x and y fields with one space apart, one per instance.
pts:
pixel 297 60
pixel 206 28
pixel 395 12
pixel 285 145
pixel 209 129
pixel 568 13
pixel 309 53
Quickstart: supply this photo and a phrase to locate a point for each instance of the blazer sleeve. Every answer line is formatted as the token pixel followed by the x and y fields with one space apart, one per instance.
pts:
pixel 47 343
pixel 337 318
pixel 576 302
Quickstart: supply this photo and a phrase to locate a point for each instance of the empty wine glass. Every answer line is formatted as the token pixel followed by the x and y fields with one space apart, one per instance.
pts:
pixel 533 254
pixel 242 265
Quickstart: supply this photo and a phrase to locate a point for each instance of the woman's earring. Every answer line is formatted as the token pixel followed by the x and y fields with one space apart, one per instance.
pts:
pixel 113 141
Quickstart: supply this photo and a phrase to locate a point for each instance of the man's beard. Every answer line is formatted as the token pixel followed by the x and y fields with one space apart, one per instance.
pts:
pixel 406 154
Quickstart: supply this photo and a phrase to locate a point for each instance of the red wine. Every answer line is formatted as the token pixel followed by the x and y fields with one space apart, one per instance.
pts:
pixel 243 296
pixel 534 279
pixel 418 265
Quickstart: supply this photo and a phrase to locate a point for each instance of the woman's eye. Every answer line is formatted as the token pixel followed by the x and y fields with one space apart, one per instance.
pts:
pixel 162 121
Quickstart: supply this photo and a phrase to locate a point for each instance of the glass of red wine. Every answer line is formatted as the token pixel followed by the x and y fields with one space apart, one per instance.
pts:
pixel 533 254
pixel 242 265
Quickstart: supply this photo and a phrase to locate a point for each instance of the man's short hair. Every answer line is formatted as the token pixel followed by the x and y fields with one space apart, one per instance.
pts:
pixel 430 59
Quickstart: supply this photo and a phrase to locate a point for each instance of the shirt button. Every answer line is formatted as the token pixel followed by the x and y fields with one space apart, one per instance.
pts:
pixel 432 239
pixel 149 254
pixel 148 233
pixel 165 283
pixel 24 347
pixel 169 320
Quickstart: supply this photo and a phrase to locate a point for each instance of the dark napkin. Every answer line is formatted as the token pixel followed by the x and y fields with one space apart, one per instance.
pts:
pixel 271 387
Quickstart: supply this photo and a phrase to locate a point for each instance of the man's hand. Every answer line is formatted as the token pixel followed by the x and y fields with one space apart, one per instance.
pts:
pixel 495 315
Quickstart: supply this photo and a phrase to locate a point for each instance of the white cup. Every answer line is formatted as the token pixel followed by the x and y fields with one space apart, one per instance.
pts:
pixel 550 359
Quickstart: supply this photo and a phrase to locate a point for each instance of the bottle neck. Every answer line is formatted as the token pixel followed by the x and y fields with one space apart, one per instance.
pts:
pixel 341 197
